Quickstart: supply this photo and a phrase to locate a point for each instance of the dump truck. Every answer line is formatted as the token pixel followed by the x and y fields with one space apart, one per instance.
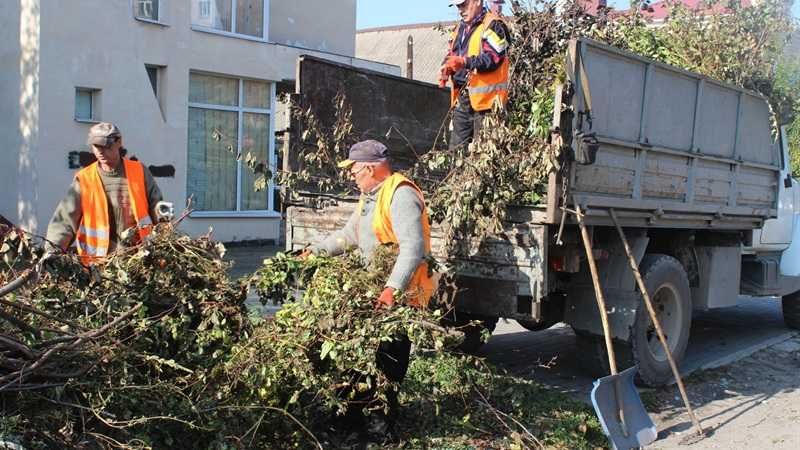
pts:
pixel 690 166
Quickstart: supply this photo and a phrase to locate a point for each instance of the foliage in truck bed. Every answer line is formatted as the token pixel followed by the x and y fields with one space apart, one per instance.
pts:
pixel 469 191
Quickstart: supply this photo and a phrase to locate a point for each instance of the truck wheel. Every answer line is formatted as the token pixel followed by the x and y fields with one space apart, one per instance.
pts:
pixel 531 325
pixel 668 285
pixel 791 310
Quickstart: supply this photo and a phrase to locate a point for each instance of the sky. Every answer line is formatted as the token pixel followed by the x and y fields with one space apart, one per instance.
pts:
pixel 381 13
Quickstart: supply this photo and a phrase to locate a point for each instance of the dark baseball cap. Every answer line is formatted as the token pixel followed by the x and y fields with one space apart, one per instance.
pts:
pixel 103 134
pixel 365 151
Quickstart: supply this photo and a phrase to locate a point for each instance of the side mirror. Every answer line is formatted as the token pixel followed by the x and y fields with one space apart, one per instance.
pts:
pixel 788 181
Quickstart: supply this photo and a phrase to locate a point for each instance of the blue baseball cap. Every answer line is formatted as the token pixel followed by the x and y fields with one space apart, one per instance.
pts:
pixel 368 151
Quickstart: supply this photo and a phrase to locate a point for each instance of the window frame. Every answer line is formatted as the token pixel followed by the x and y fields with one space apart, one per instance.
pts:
pixel 233 33
pixel 94 111
pixel 157 21
pixel 241 110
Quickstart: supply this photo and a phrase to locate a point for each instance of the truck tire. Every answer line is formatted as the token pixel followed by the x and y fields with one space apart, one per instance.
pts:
pixel 531 325
pixel 791 310
pixel 668 285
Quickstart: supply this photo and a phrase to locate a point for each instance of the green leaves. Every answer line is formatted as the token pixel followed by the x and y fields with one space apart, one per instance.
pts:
pixel 327 346
pixel 321 347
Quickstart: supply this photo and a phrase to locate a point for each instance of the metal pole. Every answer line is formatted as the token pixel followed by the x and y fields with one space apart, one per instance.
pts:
pixel 649 304
pixel 410 58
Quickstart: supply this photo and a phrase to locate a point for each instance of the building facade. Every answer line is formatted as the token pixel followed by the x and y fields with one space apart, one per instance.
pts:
pixel 191 83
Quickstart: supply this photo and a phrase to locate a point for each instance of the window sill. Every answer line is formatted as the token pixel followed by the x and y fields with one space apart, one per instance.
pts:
pixel 245 37
pixel 235 215
pixel 89 121
pixel 151 21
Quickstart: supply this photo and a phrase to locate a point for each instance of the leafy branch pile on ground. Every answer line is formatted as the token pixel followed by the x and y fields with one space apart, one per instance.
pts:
pixel 155 349
pixel 457 401
pixel 325 342
pixel 120 355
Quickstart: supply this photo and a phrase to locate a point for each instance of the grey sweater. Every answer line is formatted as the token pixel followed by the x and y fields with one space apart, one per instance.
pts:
pixel 68 214
pixel 406 214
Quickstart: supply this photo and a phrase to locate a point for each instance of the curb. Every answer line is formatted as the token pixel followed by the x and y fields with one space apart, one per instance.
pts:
pixel 744 353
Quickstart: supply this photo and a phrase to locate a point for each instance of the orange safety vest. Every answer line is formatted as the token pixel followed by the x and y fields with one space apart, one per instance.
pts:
pixel 94 232
pixel 421 286
pixel 487 87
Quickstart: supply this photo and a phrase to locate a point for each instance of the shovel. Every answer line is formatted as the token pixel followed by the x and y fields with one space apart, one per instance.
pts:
pixel 615 398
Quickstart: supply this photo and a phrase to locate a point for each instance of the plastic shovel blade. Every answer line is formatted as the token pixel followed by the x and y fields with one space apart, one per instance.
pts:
pixel 641 430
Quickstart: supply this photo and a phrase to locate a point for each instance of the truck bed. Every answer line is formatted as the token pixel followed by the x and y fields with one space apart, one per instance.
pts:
pixel 675 150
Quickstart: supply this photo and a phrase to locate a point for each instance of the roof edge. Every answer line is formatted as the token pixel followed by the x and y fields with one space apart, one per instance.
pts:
pixel 412 26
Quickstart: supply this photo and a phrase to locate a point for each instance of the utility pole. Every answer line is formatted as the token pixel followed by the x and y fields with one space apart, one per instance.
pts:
pixel 410 58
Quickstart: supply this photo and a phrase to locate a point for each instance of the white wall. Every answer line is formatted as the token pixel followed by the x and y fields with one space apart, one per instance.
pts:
pixel 324 25
pixel 10 83
pixel 110 54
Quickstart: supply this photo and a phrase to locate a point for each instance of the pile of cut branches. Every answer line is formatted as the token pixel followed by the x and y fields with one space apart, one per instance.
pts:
pixel 154 346
pixel 119 355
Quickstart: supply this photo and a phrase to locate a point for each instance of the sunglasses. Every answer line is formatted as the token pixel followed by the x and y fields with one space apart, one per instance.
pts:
pixel 353 173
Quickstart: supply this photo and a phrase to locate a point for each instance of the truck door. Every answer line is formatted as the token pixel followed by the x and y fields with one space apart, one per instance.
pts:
pixel 790 259
pixel 777 233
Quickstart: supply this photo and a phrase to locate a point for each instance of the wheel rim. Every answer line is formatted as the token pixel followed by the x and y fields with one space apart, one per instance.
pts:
pixel 670 315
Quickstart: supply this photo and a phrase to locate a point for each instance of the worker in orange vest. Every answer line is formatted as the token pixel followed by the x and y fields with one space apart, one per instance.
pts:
pixel 477 67
pixel 106 199
pixel 391 211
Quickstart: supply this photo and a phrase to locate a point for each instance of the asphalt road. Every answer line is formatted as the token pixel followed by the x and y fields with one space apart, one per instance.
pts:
pixel 718 337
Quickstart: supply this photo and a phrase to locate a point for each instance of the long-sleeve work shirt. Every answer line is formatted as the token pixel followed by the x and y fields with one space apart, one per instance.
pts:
pixel 406 214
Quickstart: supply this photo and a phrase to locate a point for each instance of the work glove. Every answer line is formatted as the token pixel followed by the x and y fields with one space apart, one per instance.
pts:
pixel 303 255
pixel 444 76
pixel 386 299
pixel 165 211
pixel 455 63
pixel 443 82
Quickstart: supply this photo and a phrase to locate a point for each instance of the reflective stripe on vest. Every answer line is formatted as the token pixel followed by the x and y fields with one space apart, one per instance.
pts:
pixel 93 235
pixel 484 88
pixel 93 232
pixel 421 287
pixel 90 250
pixel 489 88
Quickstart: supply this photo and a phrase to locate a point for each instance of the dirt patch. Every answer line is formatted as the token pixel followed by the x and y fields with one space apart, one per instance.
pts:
pixel 753 403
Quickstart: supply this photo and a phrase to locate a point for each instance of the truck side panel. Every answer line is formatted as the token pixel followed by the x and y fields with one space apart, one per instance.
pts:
pixel 506 276
pixel 671 143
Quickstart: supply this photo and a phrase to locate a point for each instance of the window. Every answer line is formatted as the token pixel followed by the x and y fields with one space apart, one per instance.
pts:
pixel 229 118
pixel 238 17
pixel 146 9
pixel 152 75
pixel 155 74
pixel 86 104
